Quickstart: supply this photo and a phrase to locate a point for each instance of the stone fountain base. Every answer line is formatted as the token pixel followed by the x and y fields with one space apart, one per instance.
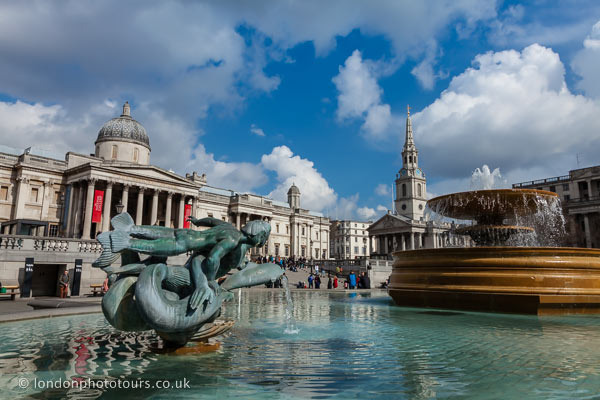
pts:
pixel 524 280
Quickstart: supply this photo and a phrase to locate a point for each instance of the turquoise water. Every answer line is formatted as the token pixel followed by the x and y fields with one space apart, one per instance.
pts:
pixel 348 346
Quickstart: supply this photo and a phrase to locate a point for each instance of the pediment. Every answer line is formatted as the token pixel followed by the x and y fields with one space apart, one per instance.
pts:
pixel 151 172
pixel 388 223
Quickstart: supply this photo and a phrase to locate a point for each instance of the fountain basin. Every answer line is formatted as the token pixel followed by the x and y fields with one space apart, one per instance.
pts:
pixel 525 280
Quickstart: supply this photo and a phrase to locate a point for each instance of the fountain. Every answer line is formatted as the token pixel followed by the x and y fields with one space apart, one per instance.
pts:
pixel 501 274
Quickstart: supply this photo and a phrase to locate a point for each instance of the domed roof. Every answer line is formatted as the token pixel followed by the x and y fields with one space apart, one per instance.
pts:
pixel 124 128
pixel 293 189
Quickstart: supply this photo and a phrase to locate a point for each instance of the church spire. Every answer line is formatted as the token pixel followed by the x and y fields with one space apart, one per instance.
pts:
pixel 409 151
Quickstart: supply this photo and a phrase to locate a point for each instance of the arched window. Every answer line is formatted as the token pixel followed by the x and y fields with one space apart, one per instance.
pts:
pixel 114 152
pixel 405 160
pixel 410 159
pixel 404 190
pixel 136 155
pixel 419 193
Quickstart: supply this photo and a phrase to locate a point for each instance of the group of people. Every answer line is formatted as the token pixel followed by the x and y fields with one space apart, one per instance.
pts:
pixel 352 282
pixel 289 263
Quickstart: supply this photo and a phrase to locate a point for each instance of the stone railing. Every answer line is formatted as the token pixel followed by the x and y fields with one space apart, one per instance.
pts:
pixel 49 244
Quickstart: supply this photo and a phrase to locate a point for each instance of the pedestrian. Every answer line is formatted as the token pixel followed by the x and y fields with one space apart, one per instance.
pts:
pixel 366 281
pixel 317 282
pixel 330 283
pixel 64 284
pixel 335 282
pixel 352 280
pixel 310 281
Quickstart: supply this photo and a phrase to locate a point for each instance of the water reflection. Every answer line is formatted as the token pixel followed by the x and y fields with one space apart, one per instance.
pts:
pixel 359 346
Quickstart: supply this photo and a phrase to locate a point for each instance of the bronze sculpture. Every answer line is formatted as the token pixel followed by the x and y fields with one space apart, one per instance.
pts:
pixel 177 300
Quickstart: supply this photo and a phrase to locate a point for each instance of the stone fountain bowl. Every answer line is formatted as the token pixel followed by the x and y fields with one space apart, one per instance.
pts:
pixel 490 206
pixel 524 280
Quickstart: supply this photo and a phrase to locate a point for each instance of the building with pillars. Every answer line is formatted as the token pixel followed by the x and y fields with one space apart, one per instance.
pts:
pixel 406 227
pixel 579 193
pixel 44 196
pixel 349 240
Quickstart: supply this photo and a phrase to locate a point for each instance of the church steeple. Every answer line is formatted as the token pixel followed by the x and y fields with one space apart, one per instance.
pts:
pixel 409 151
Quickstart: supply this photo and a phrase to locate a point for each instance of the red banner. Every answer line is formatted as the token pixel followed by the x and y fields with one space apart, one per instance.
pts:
pixel 186 214
pixel 97 209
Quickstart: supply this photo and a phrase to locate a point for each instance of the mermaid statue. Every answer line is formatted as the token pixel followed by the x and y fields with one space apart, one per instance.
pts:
pixel 177 300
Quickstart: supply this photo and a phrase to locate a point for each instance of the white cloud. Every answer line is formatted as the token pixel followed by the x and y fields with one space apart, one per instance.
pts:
pixel 360 96
pixel 256 130
pixel 424 71
pixel 316 194
pixel 365 213
pixel 586 63
pixel 383 190
pixel 512 110
pixel 382 209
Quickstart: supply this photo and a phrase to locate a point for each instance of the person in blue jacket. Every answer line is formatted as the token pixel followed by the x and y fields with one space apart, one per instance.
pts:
pixel 352 279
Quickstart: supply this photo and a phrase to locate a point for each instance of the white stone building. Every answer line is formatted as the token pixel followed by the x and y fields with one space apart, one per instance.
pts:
pixel 42 195
pixel 349 239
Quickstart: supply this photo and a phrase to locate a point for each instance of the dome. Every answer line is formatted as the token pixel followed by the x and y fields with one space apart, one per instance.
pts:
pixel 124 128
pixel 293 189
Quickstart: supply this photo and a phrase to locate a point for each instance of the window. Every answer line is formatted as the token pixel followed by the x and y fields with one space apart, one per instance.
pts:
pixel 287 230
pixel 355 226
pixel 317 235
pixel 114 152
pixel 303 251
pixel 553 189
pixel 316 253
pixel 3 192
pixel 53 230
pixel 410 159
pixel 404 206
pixel 303 232
pixel 277 228
pixel 324 254
pixel 223 218
pixel 355 249
pixel 419 192
pixel 56 197
pixel 347 249
pixel 565 187
pixel 364 251
pixel 210 215
pixel 33 196
pixel 404 190
pixel 136 155
pixel 355 238
pixel 287 250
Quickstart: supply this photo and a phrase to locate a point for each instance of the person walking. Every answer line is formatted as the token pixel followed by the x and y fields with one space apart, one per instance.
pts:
pixel 317 282
pixel 352 280
pixel 335 282
pixel 330 283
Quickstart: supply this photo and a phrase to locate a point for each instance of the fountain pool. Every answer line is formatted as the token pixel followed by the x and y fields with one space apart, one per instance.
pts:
pixel 349 345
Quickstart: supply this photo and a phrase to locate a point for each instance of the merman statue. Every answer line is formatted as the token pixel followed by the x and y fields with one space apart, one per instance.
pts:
pixel 177 300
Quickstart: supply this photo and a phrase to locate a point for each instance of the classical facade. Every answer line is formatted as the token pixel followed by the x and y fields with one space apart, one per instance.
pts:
pixel 349 240
pixel 42 195
pixel 407 227
pixel 580 197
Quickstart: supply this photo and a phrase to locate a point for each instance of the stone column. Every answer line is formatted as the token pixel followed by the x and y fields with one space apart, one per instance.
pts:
pixel 154 215
pixel 588 235
pixel 106 209
pixel 139 214
pixel 181 211
pixel 69 215
pixel 125 197
pixel 412 240
pixel 78 210
pixel 402 241
pixel 46 198
pixel 589 184
pixel 89 205
pixel 385 245
pixel 21 198
pixel 195 211
pixel 168 209
pixel 237 221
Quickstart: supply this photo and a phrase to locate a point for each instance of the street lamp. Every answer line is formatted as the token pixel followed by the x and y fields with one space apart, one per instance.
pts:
pixel 119 207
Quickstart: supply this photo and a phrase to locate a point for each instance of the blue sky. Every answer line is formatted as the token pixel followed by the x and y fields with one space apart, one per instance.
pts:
pixel 261 94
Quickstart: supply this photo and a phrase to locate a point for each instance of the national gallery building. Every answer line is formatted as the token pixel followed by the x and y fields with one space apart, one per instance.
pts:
pixel 55 199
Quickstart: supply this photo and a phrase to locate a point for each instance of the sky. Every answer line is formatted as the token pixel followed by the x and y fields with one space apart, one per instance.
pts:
pixel 262 94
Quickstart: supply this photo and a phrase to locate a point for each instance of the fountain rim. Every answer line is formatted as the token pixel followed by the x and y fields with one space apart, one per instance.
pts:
pixel 493 191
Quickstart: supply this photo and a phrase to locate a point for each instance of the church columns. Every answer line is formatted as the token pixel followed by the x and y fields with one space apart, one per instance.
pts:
pixel 21 198
pixel 154 211
pixel 194 211
pixel 125 197
pixel 168 209
pixel 106 210
pixel 78 210
pixel 237 221
pixel 140 207
pixel 69 215
pixel 402 242
pixel 412 240
pixel 89 205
